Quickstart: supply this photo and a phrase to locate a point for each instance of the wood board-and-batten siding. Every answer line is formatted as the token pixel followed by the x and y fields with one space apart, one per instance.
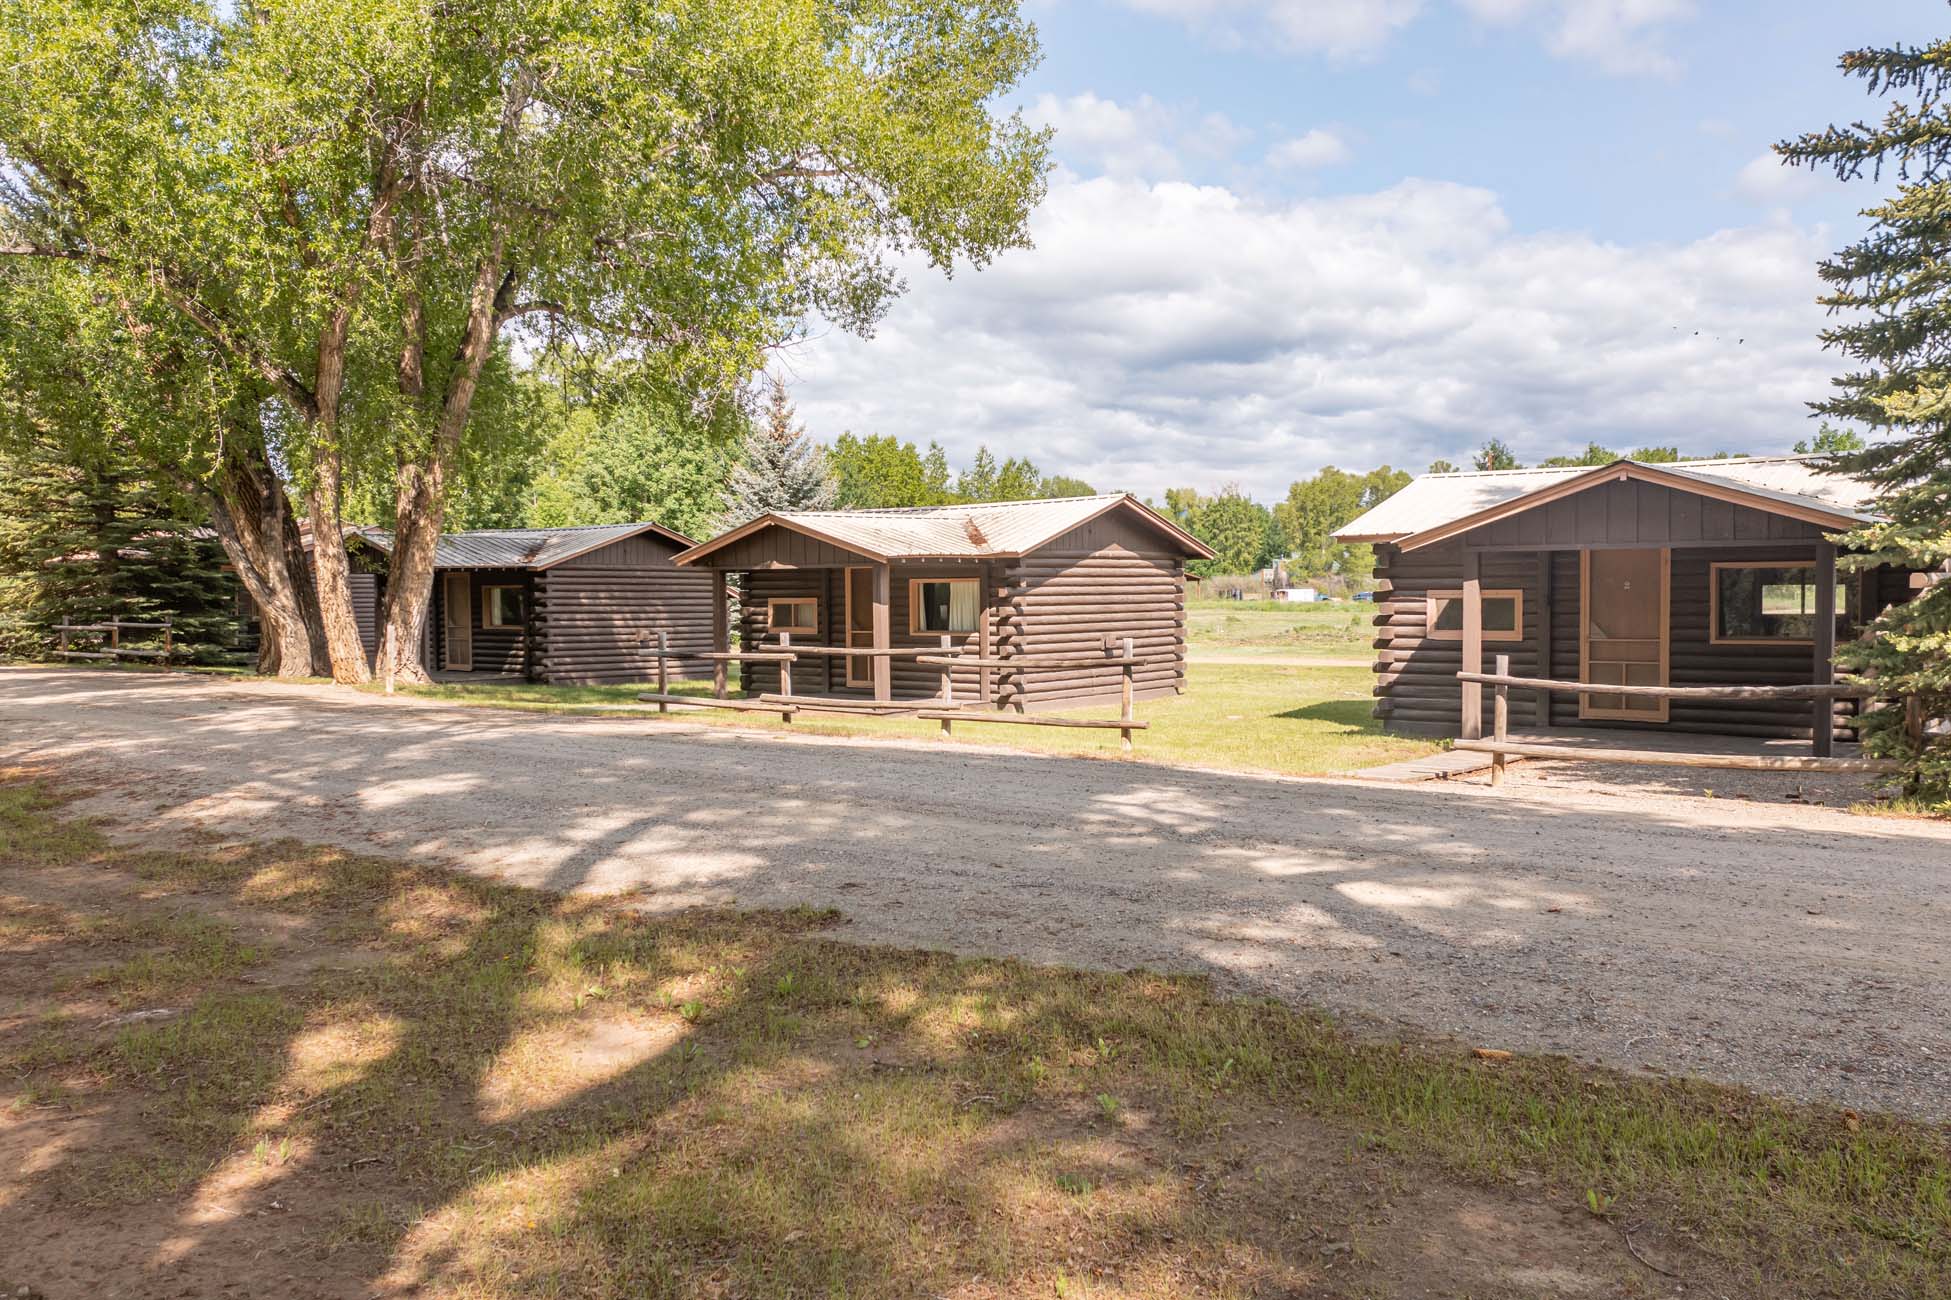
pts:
pixel 1631 512
pixel 1416 675
pixel 1107 579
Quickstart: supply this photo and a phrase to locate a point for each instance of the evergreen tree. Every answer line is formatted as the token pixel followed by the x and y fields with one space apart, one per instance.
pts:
pixel 880 471
pixel 1830 441
pixel 1891 294
pixel 782 470
pixel 87 536
pixel 978 481
pixel 1442 467
pixel 1062 485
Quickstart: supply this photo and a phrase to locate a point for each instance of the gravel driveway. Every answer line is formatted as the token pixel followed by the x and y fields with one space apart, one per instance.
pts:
pixel 1796 949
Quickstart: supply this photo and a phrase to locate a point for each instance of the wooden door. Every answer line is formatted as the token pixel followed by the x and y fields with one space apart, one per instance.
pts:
pixel 860 625
pixel 1623 630
pixel 457 619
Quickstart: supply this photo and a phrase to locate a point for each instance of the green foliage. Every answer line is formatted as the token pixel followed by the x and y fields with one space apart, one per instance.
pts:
pixel 1315 507
pixel 1442 467
pixel 1494 454
pixel 781 469
pixel 1593 454
pixel 1889 292
pixel 1830 441
pixel 1240 530
pixel 881 471
pixel 87 536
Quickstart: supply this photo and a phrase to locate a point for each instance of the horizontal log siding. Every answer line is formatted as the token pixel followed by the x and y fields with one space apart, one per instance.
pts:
pixel 827 675
pixel 1419 693
pixel 1415 675
pixel 596 617
pixel 1101 582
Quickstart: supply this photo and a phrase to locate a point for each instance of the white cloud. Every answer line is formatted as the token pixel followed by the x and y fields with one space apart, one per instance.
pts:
pixel 1316 148
pixel 1619 36
pixel 1764 180
pixel 1164 333
pixel 1338 28
pixel 1143 138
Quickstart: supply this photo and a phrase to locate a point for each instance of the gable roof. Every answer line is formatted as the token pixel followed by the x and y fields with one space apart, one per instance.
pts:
pixel 1436 506
pixel 979 530
pixel 521 548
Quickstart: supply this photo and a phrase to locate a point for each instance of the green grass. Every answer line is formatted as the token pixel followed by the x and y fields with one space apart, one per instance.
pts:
pixel 1240 717
pixel 1248 628
pixel 495 1092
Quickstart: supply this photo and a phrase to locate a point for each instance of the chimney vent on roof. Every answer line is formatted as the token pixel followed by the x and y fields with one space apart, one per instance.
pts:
pixel 975 533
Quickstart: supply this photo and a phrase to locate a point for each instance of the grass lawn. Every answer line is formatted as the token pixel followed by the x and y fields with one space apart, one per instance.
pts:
pixel 1244 717
pixel 276 1069
pixel 1245 629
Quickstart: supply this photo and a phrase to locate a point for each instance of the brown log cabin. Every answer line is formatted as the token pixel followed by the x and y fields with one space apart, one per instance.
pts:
pixel 563 606
pixel 1069 576
pixel 1701 573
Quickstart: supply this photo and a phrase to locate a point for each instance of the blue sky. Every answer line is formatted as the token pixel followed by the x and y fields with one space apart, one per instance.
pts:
pixel 1286 233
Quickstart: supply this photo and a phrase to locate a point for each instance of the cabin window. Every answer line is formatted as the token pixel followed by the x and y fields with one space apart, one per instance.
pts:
pixel 799 614
pixel 1770 602
pixel 501 607
pixel 1503 615
pixel 943 605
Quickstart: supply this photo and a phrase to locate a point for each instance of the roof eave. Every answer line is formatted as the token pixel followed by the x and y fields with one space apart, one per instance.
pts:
pixel 751 526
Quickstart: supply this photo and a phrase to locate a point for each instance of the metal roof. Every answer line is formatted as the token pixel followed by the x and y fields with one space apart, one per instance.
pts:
pixel 522 548
pixel 1433 500
pixel 974 530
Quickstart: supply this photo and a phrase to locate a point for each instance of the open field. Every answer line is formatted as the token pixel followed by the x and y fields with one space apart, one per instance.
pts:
pixel 278 1068
pixel 1258 629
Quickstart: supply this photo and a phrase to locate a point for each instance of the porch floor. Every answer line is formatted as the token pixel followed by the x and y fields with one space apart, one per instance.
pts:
pixel 1453 763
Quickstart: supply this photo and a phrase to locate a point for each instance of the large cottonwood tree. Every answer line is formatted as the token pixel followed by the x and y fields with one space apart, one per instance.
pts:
pixel 356 202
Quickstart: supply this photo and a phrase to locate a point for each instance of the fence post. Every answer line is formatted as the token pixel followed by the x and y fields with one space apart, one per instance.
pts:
pixel 1914 721
pixel 785 672
pixel 115 640
pixel 663 671
pixel 169 642
pixel 948 686
pixel 1500 719
pixel 1126 712
pixel 62 650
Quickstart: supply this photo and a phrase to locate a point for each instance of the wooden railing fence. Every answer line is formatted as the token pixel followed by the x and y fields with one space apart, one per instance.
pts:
pixel 787 704
pixel 1500 746
pixel 108 636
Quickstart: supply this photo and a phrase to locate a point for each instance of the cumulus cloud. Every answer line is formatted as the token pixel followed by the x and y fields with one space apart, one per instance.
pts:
pixel 1165 333
pixel 1141 138
pixel 1619 36
pixel 1316 148
pixel 1338 28
pixel 1764 180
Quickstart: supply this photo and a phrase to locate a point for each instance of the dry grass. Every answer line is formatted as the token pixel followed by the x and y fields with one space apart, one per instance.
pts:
pixel 377 1077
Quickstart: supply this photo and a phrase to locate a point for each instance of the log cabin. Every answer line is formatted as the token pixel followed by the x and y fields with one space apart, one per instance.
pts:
pixel 1699 573
pixel 993 580
pixel 563 606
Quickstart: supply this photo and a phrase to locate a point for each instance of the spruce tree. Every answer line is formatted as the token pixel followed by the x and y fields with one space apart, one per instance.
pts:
pixel 1890 295
pixel 782 469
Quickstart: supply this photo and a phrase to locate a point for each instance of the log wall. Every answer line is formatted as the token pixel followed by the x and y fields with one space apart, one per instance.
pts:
pixel 1416 684
pixel 595 618
pixel 496 649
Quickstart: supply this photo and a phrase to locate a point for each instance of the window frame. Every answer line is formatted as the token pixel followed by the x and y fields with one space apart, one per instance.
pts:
pixel 1435 596
pixel 916 607
pixel 1844 593
pixel 488 621
pixel 772 615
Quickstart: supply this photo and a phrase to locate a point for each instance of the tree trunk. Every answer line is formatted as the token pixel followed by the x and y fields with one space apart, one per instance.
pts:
pixel 331 575
pixel 253 520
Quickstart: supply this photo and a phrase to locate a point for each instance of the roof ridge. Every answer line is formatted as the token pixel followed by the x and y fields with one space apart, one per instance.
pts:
pixel 1772 459
pixel 951 505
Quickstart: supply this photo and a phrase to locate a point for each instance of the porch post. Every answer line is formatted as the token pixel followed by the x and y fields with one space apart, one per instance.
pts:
pixel 1825 646
pixel 721 632
pixel 883 634
pixel 1473 648
pixel 1543 707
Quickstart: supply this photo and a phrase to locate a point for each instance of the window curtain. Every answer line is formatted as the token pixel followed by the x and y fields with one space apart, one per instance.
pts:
pixel 964 599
